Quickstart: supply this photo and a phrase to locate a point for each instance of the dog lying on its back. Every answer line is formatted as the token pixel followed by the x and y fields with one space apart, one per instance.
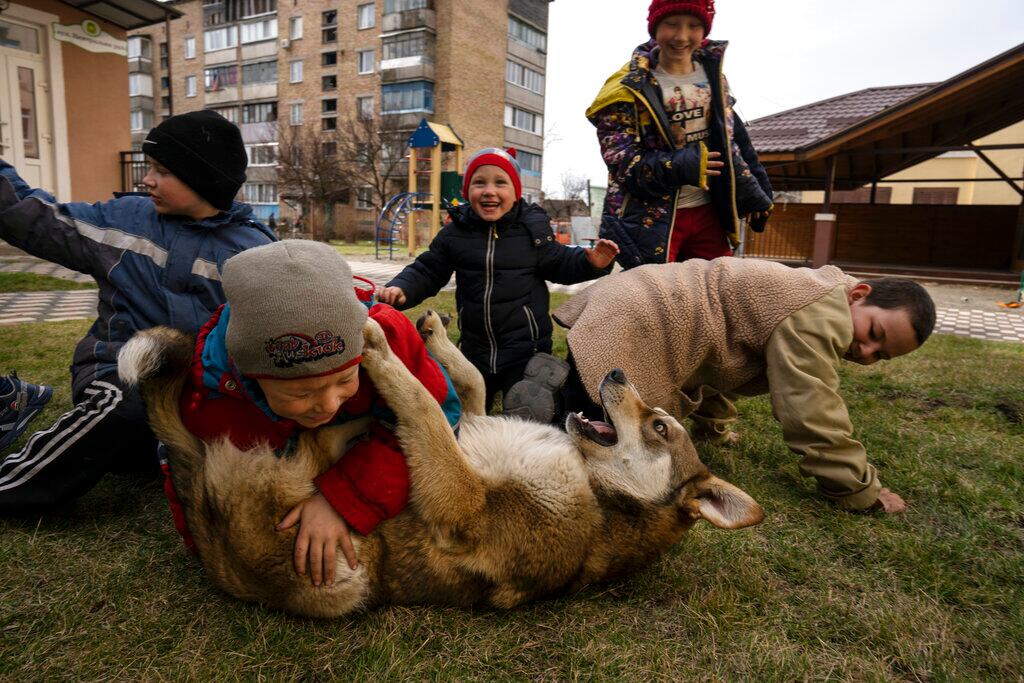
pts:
pixel 511 511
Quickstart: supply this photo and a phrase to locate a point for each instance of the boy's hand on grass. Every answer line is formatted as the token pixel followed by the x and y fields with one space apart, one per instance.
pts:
pixel 889 502
pixel 321 529
pixel 393 296
pixel 602 253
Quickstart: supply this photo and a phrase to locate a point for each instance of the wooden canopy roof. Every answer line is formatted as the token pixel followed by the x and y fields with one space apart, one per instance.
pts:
pixel 876 132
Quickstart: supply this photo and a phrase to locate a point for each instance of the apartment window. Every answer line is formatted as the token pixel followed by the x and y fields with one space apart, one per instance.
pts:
pixel 364 108
pixel 260 193
pixel 165 82
pixel 163 56
pixel 524 77
pixel 529 163
pixel 219 77
pixel 139 48
pixel 259 113
pixel 165 102
pixel 141 120
pixel 295 28
pixel 190 48
pixel 329 149
pixel 190 86
pixel 364 197
pixel 256 31
pixel 365 16
pixel 416 44
pixel 230 113
pixel 295 115
pixel 329 106
pixel 262 154
pixel 935 195
pixel 523 120
pixel 524 33
pixel 252 8
pixel 140 84
pixel 365 62
pixel 260 72
pixel 403 5
pixel 329 18
pixel 329 35
pixel 328 58
pixel 220 38
pixel 415 96
pixel 329 82
pixel 329 123
pixel 295 71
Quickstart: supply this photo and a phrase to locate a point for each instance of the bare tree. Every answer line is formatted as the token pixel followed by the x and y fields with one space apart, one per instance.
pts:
pixel 371 153
pixel 309 174
pixel 574 187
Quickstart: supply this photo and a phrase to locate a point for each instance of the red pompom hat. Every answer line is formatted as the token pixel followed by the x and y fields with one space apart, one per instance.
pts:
pixel 659 9
pixel 505 159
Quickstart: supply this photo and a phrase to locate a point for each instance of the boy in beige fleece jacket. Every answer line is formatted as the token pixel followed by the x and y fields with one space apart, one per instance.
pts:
pixel 691 335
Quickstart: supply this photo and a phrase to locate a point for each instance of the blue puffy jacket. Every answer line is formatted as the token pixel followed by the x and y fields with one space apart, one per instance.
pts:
pixel 151 269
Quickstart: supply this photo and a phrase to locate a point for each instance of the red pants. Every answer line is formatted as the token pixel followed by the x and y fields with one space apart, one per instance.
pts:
pixel 697 234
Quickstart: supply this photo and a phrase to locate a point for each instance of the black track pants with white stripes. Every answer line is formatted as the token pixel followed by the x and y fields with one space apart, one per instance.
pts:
pixel 106 431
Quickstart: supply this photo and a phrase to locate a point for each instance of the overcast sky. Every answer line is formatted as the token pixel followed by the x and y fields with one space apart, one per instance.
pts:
pixel 781 55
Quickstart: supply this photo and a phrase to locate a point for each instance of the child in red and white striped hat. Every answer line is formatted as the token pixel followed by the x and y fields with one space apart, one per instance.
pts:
pixel 502 251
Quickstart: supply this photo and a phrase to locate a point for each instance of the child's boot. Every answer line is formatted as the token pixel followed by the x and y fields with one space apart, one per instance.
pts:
pixel 19 403
pixel 536 396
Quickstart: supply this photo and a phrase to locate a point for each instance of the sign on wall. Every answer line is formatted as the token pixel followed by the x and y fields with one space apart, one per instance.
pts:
pixel 89 36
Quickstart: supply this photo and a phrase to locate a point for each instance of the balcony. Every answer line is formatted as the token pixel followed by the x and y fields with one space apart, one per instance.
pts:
pixel 418 68
pixel 408 19
pixel 140 65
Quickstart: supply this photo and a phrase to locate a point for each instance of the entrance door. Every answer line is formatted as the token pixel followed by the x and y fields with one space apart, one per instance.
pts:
pixel 26 138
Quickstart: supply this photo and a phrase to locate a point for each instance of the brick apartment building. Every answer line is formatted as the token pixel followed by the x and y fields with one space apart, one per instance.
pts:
pixel 477 65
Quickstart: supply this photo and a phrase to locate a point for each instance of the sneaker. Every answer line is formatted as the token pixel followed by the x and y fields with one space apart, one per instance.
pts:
pixel 535 397
pixel 20 407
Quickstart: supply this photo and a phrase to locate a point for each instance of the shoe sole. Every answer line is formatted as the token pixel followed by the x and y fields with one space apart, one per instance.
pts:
pixel 33 409
pixel 533 397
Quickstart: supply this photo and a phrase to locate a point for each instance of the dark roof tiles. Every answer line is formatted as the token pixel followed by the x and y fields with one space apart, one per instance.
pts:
pixel 803 126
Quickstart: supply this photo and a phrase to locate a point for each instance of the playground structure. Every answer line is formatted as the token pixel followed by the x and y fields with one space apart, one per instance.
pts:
pixel 430 188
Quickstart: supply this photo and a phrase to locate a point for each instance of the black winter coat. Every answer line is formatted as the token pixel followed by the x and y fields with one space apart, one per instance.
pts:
pixel 500 272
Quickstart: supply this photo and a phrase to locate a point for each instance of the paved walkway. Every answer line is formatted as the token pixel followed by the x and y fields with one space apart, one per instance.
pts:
pixel 957 315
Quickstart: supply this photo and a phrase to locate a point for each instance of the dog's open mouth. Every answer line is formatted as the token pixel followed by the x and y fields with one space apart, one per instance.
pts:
pixel 601 433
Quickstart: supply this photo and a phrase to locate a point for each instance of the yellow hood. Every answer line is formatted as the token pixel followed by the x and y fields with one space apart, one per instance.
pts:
pixel 611 92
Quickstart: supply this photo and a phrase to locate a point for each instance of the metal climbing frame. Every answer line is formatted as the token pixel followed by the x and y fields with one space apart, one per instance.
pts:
pixel 391 217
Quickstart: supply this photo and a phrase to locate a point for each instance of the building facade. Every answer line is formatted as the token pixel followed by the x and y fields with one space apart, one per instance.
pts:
pixel 63 94
pixel 277 67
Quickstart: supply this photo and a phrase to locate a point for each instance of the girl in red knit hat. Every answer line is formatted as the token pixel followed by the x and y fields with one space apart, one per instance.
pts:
pixel 682 171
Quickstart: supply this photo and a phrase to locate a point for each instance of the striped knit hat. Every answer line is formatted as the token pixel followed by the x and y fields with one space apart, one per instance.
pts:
pixel 505 159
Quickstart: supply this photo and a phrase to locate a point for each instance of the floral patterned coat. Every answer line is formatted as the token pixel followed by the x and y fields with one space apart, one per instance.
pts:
pixel 646 169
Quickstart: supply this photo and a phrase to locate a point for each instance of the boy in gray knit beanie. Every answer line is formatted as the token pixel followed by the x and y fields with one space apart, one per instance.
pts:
pixel 283 356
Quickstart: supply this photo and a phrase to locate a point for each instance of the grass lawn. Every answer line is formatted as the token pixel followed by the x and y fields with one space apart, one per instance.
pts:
pixel 105 590
pixel 366 248
pixel 30 282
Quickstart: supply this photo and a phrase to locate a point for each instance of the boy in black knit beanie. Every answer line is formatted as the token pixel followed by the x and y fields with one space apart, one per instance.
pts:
pixel 156 261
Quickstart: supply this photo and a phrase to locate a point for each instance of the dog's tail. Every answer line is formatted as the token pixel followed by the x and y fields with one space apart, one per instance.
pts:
pixel 157 360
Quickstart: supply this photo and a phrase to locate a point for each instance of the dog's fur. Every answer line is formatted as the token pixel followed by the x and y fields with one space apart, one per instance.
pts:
pixel 509 512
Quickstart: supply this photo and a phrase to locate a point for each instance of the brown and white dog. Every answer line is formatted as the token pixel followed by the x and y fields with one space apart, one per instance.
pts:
pixel 510 511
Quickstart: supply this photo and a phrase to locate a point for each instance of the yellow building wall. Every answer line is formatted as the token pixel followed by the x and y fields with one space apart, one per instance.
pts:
pixel 962 165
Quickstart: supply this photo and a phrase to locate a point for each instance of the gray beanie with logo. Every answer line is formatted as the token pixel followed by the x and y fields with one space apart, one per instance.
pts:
pixel 294 312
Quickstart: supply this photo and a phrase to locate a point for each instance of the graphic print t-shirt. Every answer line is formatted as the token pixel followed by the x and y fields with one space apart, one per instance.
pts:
pixel 688 105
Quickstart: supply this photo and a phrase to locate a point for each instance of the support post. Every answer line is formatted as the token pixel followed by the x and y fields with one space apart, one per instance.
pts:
pixel 410 223
pixel 1017 260
pixel 435 190
pixel 825 222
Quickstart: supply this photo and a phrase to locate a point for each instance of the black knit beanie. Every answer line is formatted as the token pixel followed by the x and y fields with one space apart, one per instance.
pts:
pixel 205 151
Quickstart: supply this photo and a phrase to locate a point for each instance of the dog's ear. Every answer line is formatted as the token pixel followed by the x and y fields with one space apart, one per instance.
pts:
pixel 724 505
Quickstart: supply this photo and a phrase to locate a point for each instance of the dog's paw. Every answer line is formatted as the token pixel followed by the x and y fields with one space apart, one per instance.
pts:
pixel 431 323
pixel 375 344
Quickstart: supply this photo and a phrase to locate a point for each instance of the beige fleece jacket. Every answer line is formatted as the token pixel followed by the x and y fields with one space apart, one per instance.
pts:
pixel 683 331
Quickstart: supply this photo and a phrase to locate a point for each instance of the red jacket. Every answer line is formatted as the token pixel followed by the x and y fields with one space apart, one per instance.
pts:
pixel 371 482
